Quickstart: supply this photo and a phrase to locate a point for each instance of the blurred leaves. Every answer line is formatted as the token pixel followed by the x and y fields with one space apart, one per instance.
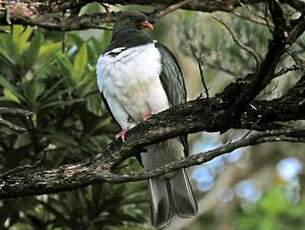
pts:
pixel 67 122
pixel 273 211
pixel 80 62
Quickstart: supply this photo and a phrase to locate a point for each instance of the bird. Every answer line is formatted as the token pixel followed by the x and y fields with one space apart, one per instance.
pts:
pixel 138 77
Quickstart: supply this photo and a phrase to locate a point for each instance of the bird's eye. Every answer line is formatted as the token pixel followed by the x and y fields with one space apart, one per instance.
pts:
pixel 133 19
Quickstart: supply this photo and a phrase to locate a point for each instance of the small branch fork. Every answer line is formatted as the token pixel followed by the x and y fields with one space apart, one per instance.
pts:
pixel 283 36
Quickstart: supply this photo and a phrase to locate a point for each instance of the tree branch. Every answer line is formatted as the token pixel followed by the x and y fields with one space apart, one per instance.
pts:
pixel 72 176
pixel 190 117
pixel 10 125
pixel 13 112
pixel 283 36
pixel 43 13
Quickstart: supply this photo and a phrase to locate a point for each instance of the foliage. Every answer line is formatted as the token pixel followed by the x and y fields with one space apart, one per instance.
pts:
pixel 67 124
pixel 273 211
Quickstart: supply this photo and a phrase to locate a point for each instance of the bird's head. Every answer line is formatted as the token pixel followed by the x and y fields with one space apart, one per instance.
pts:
pixel 133 20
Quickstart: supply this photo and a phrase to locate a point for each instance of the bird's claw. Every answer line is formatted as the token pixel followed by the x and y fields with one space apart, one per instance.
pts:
pixel 122 135
pixel 146 116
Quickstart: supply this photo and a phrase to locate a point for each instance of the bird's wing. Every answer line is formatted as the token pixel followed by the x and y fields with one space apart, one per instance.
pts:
pixel 99 74
pixel 173 82
pixel 171 77
pixel 106 106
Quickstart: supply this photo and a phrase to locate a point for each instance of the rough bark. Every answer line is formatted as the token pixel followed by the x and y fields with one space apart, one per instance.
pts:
pixel 63 15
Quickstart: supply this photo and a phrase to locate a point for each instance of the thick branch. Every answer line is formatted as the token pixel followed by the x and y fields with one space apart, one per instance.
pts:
pixel 41 13
pixel 283 36
pixel 68 177
pixel 191 117
pixel 44 13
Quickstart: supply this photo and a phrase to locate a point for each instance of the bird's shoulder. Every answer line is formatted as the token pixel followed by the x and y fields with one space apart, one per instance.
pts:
pixel 171 76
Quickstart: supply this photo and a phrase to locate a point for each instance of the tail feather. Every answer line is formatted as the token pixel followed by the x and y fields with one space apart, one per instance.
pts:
pixel 182 195
pixel 171 194
pixel 161 213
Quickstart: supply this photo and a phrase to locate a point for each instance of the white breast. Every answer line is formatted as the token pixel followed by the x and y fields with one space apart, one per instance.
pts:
pixel 131 84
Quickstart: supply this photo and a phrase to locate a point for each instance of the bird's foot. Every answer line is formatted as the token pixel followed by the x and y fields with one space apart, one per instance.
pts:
pixel 122 135
pixel 146 116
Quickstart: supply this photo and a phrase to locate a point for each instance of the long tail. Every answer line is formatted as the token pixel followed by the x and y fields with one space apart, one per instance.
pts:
pixel 170 194
pixel 170 197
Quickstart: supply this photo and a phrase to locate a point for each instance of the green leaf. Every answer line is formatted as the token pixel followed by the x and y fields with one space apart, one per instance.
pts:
pixel 31 54
pixel 9 95
pixel 106 39
pixel 76 39
pixel 18 42
pixel 32 90
pixel 21 36
pixel 80 63
pixel 67 67
pixel 7 65
pixel 275 202
pixel 10 91
pixel 48 51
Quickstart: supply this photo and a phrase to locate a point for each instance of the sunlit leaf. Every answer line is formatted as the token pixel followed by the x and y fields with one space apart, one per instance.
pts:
pixel 9 95
pixel 48 51
pixel 80 63
pixel 10 90
pixel 19 40
pixel 31 54
pixel 275 202
pixel 67 67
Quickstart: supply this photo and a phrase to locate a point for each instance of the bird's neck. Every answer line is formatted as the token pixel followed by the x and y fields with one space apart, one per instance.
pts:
pixel 128 38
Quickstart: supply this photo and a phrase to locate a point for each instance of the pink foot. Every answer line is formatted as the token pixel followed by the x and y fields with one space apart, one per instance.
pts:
pixel 122 135
pixel 146 116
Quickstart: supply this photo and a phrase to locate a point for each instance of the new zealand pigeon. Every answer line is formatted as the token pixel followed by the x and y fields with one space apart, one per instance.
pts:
pixel 138 77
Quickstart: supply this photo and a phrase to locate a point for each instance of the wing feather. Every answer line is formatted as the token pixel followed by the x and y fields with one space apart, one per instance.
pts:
pixel 173 82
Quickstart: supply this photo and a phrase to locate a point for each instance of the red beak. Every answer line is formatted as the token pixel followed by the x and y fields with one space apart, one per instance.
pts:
pixel 147 25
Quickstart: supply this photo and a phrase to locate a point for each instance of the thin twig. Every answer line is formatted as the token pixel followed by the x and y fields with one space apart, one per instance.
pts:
pixel 297 60
pixel 221 68
pixel 25 167
pixel 252 12
pixel 287 70
pixel 286 135
pixel 199 60
pixel 8 12
pixel 15 112
pixel 250 19
pixel 10 125
pixel 239 43
pixel 158 13
pixel 269 25
pixel 106 7
pixel 262 116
